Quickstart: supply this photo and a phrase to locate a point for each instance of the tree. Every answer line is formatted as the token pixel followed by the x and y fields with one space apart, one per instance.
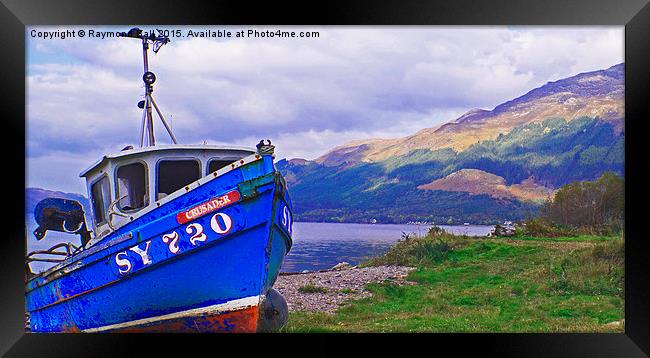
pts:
pixel 600 203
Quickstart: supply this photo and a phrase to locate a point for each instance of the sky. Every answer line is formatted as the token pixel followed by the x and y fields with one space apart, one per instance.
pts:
pixel 307 95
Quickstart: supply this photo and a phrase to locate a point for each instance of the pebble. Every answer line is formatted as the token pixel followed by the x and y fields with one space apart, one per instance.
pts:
pixel 343 278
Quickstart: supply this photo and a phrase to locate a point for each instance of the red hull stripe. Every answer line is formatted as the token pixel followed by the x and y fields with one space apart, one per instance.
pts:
pixel 240 321
pixel 239 315
pixel 209 206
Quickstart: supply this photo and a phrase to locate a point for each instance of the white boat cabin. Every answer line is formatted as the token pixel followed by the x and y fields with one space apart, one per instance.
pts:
pixel 128 184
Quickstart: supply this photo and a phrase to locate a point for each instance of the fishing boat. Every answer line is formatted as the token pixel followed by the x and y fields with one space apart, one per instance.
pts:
pixel 183 238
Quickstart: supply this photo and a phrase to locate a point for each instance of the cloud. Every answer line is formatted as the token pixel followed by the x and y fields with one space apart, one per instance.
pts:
pixel 59 170
pixel 313 143
pixel 308 94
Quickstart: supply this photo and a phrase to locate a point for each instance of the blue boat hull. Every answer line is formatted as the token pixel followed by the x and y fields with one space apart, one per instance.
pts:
pixel 204 262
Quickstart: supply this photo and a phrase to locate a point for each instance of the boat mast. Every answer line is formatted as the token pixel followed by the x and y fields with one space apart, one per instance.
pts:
pixel 149 78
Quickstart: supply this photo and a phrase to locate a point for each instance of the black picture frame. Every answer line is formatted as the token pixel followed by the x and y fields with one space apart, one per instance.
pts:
pixel 15 15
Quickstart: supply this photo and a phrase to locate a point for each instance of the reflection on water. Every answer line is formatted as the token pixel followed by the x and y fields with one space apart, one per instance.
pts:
pixel 318 246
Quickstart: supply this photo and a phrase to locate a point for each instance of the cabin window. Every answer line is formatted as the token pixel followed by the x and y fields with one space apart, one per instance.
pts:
pixel 217 164
pixel 132 187
pixel 100 198
pixel 175 174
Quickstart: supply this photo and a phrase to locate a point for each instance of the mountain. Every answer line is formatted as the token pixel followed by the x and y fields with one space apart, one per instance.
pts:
pixel 483 167
pixel 597 94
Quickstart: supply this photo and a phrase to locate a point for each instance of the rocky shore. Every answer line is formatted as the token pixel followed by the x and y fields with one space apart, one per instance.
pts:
pixel 326 291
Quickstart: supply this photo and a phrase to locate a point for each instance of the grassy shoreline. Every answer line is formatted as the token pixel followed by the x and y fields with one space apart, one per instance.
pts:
pixel 465 284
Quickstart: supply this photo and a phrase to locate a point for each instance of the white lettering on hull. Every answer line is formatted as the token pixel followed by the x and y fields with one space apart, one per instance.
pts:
pixel 144 254
pixel 123 264
pixel 172 240
pixel 220 223
pixel 218 227
pixel 196 230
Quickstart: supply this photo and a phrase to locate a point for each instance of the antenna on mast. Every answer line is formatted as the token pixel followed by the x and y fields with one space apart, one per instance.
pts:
pixel 149 78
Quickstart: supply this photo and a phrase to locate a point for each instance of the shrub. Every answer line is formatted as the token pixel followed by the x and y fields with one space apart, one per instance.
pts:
pixel 426 252
pixel 436 231
pixel 539 227
pixel 420 251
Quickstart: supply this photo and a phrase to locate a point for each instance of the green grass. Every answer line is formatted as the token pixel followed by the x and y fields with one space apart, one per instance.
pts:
pixel 312 289
pixel 489 285
pixel 580 238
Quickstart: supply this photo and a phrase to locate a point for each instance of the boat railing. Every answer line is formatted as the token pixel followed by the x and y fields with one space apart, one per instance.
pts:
pixel 56 255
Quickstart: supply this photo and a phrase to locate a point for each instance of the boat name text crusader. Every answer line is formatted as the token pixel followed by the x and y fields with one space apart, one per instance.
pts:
pixel 208 207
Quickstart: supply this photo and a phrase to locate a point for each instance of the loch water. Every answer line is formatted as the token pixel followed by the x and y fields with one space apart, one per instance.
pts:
pixel 319 246
pixel 316 246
